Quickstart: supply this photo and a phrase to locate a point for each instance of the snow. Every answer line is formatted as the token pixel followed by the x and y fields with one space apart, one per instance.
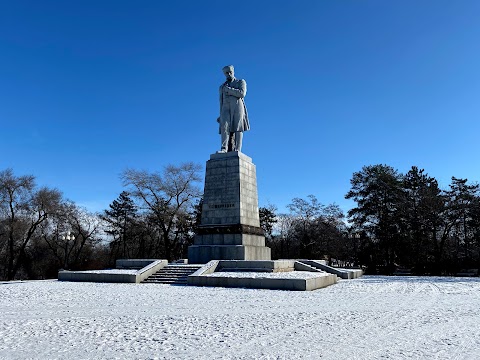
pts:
pixel 366 318
pixel 270 275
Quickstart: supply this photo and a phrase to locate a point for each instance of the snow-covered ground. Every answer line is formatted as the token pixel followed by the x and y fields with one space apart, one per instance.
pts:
pixel 366 318
pixel 270 275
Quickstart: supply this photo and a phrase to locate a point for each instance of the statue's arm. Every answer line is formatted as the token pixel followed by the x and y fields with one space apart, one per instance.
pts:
pixel 220 101
pixel 240 93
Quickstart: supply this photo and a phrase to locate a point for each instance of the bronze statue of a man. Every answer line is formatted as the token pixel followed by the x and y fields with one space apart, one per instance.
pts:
pixel 233 118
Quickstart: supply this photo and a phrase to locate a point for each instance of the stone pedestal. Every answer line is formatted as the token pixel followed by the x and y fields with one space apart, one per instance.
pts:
pixel 230 224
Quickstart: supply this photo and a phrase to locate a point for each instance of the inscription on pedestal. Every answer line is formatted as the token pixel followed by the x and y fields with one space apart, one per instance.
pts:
pixel 221 206
pixel 230 229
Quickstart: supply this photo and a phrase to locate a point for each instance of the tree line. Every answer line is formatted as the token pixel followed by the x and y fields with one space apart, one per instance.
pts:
pixel 407 220
pixel 399 221
pixel 42 232
pixel 34 230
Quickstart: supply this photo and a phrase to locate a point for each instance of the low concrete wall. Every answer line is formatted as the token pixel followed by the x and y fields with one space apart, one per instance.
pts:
pixel 342 273
pixel 208 268
pixel 299 266
pixel 320 282
pixel 65 275
pixel 354 273
pixel 264 283
pixel 152 266
pixel 150 269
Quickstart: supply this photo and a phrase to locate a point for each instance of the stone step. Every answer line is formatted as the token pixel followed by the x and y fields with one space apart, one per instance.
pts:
pixel 177 273
pixel 166 282
pixel 167 276
pixel 175 269
pixel 173 274
pixel 178 270
pixel 182 279
pixel 245 270
pixel 169 273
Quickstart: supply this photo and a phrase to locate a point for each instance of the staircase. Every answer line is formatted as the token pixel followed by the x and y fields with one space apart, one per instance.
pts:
pixel 175 274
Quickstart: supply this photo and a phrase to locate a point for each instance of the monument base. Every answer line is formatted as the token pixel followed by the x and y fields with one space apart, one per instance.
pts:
pixel 230 224
pixel 201 254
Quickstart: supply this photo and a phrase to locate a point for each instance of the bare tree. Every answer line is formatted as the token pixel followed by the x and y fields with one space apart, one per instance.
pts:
pixel 305 212
pixel 24 208
pixel 282 242
pixel 169 196
pixel 69 232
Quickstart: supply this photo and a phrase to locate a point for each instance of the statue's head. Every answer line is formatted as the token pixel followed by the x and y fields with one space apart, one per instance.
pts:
pixel 229 72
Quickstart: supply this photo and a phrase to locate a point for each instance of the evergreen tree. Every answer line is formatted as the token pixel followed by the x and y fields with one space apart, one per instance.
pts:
pixel 268 219
pixel 421 213
pixel 377 190
pixel 121 219
pixel 461 208
pixel 474 224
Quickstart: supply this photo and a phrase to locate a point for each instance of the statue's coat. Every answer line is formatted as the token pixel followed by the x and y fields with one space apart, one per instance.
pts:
pixel 233 112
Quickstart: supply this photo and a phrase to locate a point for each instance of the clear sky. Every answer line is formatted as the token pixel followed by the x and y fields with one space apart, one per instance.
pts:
pixel 89 88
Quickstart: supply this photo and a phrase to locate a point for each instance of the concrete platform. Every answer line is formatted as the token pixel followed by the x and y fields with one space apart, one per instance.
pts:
pixel 127 272
pixel 273 274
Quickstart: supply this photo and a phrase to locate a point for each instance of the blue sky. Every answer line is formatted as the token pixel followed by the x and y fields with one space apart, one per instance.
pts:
pixel 89 88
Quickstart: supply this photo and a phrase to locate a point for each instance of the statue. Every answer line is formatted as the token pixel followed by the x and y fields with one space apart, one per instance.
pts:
pixel 233 118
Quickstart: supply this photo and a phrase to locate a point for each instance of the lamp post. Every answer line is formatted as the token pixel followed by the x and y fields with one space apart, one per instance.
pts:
pixel 67 238
pixel 355 236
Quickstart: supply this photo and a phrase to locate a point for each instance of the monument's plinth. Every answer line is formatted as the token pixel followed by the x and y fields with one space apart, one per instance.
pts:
pixel 230 224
